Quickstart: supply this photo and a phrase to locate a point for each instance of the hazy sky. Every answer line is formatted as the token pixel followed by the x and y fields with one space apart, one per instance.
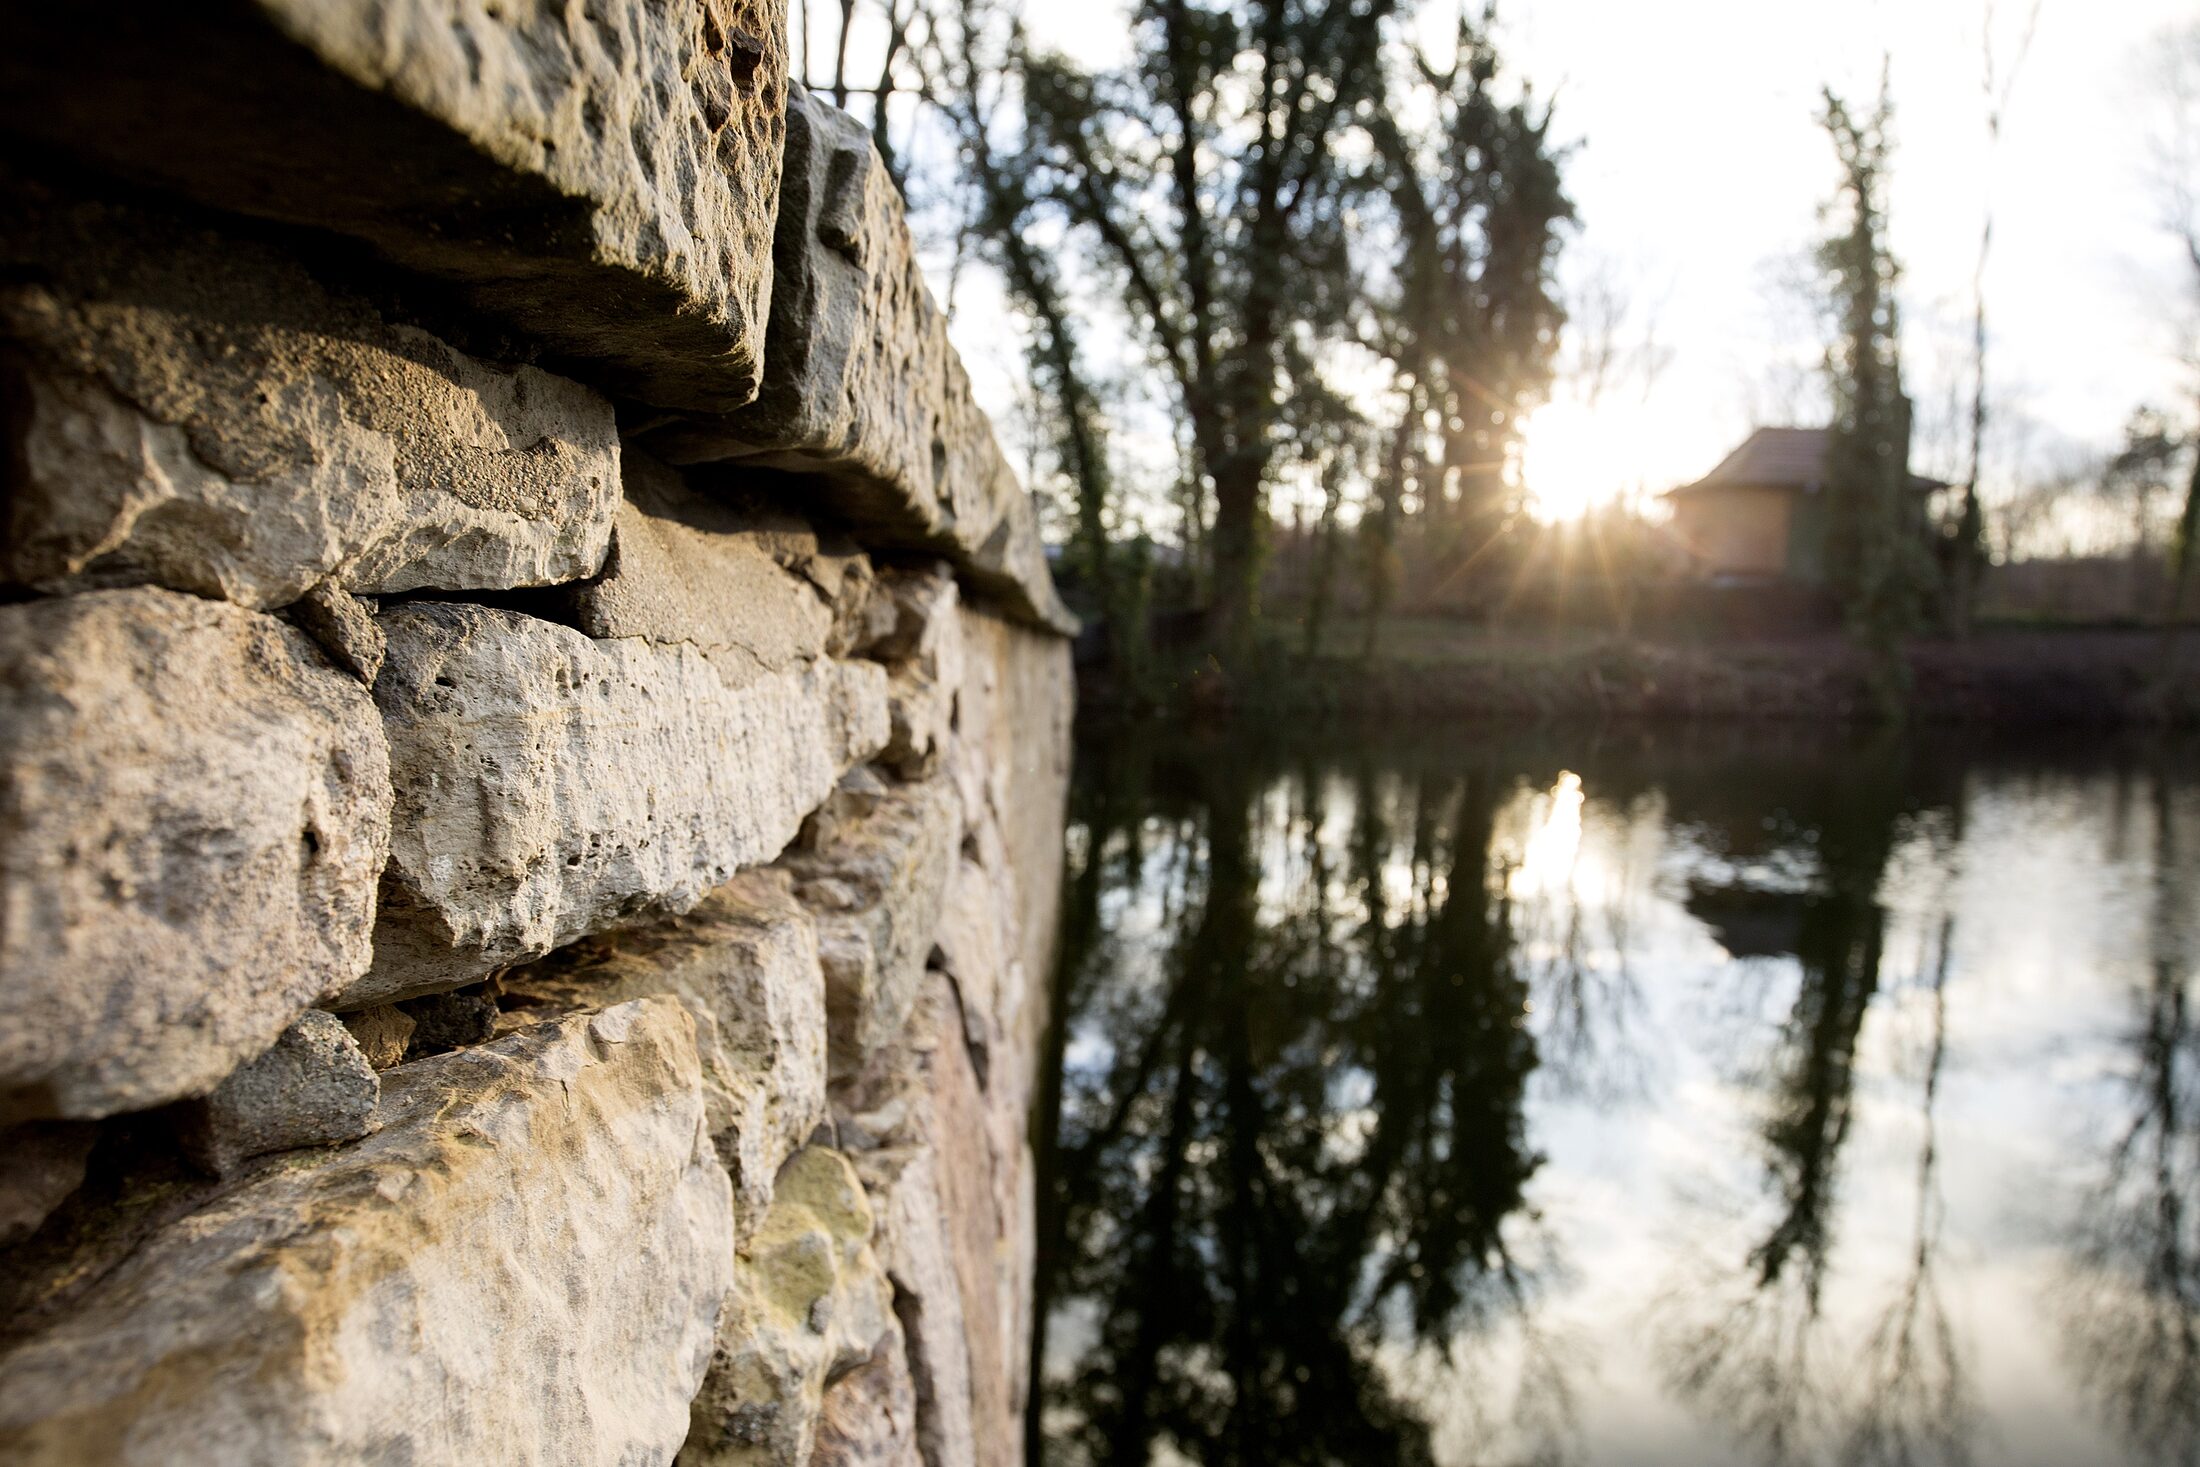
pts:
pixel 1702 170
pixel 1700 173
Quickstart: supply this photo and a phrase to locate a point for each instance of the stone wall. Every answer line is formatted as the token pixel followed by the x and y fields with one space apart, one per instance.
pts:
pixel 534 729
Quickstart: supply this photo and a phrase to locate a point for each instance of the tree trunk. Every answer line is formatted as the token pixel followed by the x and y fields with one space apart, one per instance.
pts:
pixel 1325 561
pixel 1237 536
pixel 2184 550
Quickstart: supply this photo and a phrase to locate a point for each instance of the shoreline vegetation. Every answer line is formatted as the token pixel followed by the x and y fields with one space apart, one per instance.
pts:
pixel 1310 333
pixel 2014 675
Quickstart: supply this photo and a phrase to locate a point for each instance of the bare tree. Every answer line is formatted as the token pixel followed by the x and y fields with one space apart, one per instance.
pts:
pixel 2174 163
pixel 1970 547
pixel 1613 339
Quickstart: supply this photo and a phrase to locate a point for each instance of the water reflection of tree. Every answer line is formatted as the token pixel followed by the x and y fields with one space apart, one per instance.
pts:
pixel 2133 1309
pixel 1915 1401
pixel 1748 1344
pixel 1574 947
pixel 1298 1152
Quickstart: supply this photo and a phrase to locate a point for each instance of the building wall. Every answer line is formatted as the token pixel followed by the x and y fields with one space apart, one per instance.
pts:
pixel 535 730
pixel 1741 530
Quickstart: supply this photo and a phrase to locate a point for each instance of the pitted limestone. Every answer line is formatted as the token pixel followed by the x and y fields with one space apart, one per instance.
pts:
pixel 809 1303
pixel 951 1225
pixel 693 569
pixel 923 654
pixel 198 807
pixel 745 964
pixel 865 390
pixel 876 883
pixel 869 1416
pixel 539 1222
pixel 551 785
pixel 198 412
pixel 345 627
pixel 314 1088
pixel 1011 762
pixel 604 176
pixel 903 1184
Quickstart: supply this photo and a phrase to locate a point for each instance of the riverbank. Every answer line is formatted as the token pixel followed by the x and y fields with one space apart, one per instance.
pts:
pixel 2093 677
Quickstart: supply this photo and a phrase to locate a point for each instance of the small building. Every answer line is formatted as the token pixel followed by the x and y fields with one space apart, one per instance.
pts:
pixel 1759 518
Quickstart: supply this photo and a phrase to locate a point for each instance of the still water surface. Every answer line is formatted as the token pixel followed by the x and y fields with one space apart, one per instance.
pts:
pixel 1687 1099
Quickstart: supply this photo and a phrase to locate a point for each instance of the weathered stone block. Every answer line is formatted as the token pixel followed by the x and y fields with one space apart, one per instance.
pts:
pixel 950 1186
pixel 923 653
pixel 876 882
pixel 525 1264
pixel 976 946
pixel 809 1302
pixel 196 810
pixel 914 1243
pixel 198 412
pixel 865 389
pixel 345 628
pixel 314 1088
pixel 1011 762
pixel 735 581
pixel 383 1034
pixel 604 176
pixel 869 1416
pixel 550 785
pixel 745 964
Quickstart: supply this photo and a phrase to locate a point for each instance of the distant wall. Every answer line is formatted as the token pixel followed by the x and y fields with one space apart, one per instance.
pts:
pixel 535 730
pixel 1736 531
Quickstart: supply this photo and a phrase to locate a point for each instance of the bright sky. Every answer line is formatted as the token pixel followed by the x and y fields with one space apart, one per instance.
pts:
pixel 1699 179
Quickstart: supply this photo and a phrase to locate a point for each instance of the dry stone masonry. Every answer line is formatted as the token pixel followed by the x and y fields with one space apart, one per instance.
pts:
pixel 533 737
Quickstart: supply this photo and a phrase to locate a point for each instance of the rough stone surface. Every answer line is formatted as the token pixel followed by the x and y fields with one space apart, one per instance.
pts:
pixel 868 1417
pixel 809 1302
pixel 447 1021
pixel 195 810
pixel 976 946
pixel 904 1186
pixel 1011 762
pixel 953 1229
pixel 525 1264
pixel 345 628
pixel 745 964
pixel 730 580
pixel 603 176
pixel 864 388
pixel 858 794
pixel 383 1034
pixel 314 1088
pixel 985 1217
pixel 45 1163
pixel 197 411
pixel 875 880
pixel 923 653
pixel 638 803
pixel 551 785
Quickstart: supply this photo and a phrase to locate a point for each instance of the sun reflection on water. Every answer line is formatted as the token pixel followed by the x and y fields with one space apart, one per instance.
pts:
pixel 1801 1104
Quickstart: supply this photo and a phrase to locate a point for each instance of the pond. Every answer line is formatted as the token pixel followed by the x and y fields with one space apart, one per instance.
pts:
pixel 1744 1096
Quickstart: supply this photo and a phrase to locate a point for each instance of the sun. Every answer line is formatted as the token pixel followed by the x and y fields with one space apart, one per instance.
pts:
pixel 1573 460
